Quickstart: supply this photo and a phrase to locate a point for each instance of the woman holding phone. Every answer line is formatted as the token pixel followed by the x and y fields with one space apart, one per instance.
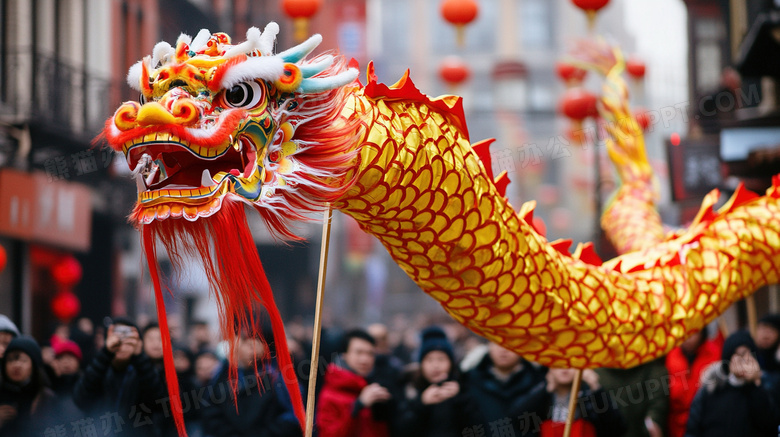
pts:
pixel 435 404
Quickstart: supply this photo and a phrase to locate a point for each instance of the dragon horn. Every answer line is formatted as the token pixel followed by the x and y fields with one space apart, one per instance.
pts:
pixel 310 70
pixel 320 84
pixel 295 54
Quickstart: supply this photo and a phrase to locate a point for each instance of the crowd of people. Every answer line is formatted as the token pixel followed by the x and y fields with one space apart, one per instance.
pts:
pixel 433 380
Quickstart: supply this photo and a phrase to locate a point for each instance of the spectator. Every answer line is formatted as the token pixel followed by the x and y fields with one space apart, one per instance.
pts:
pixel 767 342
pixel 350 405
pixel 731 400
pixel 685 365
pixel 640 395
pixel 387 368
pixel 501 382
pixel 206 367
pixel 261 407
pixel 200 338
pixel 547 407
pixel 152 341
pixel 121 379
pixel 183 361
pixel 434 404
pixel 67 364
pixel 83 334
pixel 8 331
pixel 25 397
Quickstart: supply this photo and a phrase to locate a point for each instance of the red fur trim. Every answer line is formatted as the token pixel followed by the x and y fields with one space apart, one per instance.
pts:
pixel 224 244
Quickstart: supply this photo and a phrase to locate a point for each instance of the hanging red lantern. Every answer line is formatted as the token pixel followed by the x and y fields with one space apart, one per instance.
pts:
pixel 3 258
pixel 454 71
pixel 459 13
pixel 65 306
pixel 67 272
pixel 301 12
pixel 636 68
pixel 570 74
pixel 578 104
pixel 642 118
pixel 591 8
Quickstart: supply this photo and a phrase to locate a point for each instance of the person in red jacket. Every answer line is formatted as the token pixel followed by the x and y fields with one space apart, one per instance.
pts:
pixel 348 405
pixel 685 365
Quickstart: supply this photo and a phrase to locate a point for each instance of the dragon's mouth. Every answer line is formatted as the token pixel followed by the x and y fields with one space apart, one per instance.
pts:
pixel 168 167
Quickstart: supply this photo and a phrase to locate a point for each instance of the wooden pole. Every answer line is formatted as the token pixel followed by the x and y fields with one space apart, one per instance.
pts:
pixel 315 344
pixel 750 301
pixel 575 391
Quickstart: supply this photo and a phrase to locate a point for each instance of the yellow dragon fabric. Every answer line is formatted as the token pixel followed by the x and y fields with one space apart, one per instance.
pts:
pixel 403 166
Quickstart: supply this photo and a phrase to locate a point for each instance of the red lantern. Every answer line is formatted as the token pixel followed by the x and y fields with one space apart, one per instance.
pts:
pixel 636 68
pixel 578 104
pixel 642 118
pixel 569 73
pixel 459 13
pixel 65 306
pixel 3 258
pixel 67 272
pixel 454 71
pixel 301 11
pixel 591 7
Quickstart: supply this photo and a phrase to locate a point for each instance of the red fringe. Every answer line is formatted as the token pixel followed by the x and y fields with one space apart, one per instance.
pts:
pixel 170 371
pixel 225 245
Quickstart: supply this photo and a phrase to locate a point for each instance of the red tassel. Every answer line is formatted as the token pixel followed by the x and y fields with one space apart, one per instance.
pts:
pixel 170 371
pixel 223 242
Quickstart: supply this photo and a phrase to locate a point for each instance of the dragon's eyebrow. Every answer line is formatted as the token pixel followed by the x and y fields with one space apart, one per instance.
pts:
pixel 241 68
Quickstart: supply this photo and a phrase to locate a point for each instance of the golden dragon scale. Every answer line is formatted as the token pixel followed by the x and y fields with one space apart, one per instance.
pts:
pixel 424 191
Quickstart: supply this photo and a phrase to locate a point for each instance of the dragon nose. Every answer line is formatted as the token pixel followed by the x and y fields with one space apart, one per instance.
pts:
pixel 154 113
pixel 182 112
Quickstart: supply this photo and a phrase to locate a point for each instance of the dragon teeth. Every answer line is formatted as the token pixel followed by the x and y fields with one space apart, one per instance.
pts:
pixel 139 183
pixel 206 180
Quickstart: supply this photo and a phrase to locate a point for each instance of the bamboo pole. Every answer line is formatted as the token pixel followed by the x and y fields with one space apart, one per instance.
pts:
pixel 575 391
pixel 750 301
pixel 315 344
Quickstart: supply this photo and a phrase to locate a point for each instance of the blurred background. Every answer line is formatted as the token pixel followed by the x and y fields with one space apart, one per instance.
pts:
pixel 706 78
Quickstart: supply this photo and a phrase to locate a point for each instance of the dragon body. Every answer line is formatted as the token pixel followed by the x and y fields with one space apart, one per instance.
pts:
pixel 224 124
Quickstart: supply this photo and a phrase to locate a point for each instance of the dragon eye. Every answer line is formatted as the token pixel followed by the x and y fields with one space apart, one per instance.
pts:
pixel 142 99
pixel 244 95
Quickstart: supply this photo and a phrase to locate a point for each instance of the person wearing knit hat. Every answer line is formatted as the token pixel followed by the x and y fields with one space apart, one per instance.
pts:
pixel 435 404
pixel 767 342
pixel 434 338
pixel 8 331
pixel 732 400
pixel 25 396
pixel 67 365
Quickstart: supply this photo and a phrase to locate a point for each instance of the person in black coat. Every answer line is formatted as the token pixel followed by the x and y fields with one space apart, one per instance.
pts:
pixel 547 406
pixel 121 381
pixel 499 383
pixel 434 403
pixel 259 407
pixel 732 400
pixel 26 401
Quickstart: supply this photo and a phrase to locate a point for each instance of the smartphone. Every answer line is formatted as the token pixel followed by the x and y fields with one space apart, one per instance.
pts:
pixel 123 331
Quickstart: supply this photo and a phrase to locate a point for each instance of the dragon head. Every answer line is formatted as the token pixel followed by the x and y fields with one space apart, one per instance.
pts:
pixel 216 120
